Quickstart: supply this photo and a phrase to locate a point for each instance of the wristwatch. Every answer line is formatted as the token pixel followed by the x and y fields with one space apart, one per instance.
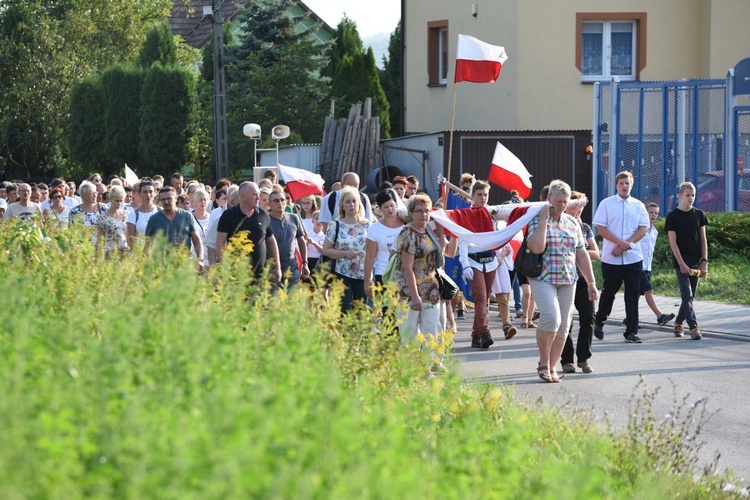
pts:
pixel 632 245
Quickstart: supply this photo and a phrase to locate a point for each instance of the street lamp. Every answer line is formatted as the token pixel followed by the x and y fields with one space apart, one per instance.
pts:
pixel 279 132
pixel 252 130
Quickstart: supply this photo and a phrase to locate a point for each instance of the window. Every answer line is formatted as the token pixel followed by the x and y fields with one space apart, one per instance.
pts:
pixel 437 53
pixel 611 44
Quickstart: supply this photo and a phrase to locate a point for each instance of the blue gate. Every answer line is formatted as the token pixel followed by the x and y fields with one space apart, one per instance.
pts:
pixel 666 133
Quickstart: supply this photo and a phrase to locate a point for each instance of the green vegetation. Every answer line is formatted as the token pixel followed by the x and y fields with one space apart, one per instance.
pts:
pixel 135 377
pixel 729 253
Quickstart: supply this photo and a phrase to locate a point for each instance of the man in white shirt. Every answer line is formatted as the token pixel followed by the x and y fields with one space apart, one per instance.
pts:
pixel 24 208
pixel 622 221
pixel 328 210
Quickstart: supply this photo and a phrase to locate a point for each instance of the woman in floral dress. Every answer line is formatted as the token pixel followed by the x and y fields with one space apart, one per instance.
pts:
pixel 112 224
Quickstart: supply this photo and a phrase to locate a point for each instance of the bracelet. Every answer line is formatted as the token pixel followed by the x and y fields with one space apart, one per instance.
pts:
pixel 703 259
pixel 592 283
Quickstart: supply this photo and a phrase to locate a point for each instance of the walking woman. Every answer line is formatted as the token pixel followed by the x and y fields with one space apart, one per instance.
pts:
pixel 381 239
pixel 557 236
pixel 345 243
pixel 57 211
pixel 112 224
pixel 419 255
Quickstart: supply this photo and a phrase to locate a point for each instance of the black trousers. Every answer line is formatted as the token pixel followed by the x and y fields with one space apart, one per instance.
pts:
pixel 614 276
pixel 585 308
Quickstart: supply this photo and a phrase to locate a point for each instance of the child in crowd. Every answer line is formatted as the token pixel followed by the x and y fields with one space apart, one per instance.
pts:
pixel 648 243
pixel 686 227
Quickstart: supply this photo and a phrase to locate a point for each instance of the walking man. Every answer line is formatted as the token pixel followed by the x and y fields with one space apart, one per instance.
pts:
pixel 622 221
pixel 287 228
pixel 178 225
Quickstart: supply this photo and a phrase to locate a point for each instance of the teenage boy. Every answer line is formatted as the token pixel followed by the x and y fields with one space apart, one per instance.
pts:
pixel 645 288
pixel 622 221
pixel 686 227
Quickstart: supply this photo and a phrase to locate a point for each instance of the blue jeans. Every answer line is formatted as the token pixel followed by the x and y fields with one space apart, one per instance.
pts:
pixel 688 286
pixel 516 292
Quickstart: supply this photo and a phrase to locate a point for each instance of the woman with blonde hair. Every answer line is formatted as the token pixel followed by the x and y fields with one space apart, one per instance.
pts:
pixel 112 224
pixel 345 243
pixel 558 238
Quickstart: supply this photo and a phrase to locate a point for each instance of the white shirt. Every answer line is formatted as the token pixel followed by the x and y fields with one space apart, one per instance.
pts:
pixel 326 216
pixel 386 238
pixel 143 217
pixel 647 245
pixel 622 217
pixel 318 238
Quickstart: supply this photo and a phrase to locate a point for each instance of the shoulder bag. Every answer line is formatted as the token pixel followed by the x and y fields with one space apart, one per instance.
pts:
pixel 528 263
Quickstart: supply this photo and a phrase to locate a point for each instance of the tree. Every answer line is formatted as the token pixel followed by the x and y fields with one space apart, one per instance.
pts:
pixel 390 79
pixel 167 107
pixel 356 79
pixel 122 104
pixel 45 46
pixel 273 77
pixel 86 133
pixel 159 47
pixel 346 42
pixel 355 75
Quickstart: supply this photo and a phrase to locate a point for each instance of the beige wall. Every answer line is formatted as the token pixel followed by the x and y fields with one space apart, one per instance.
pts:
pixel 539 87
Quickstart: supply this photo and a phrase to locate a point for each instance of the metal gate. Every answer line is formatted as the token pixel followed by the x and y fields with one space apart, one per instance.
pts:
pixel 740 198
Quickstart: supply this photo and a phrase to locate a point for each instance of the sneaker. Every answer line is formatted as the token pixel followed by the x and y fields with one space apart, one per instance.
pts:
pixel 519 313
pixel 585 366
pixel 633 339
pixel 460 314
pixel 664 319
pixel 486 341
pixel 568 368
pixel 695 333
pixel 476 342
pixel 509 332
pixel 599 332
pixel 678 330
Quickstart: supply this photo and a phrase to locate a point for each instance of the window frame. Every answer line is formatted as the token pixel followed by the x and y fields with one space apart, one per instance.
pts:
pixel 438 44
pixel 638 19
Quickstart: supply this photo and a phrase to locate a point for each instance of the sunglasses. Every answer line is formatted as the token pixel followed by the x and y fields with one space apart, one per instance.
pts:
pixel 56 197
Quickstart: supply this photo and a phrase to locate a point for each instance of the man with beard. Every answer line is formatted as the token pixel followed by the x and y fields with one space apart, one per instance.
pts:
pixel 178 225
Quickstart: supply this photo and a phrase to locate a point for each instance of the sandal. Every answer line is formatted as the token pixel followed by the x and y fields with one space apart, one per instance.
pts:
pixel 543 372
pixel 556 378
pixel 524 325
pixel 532 324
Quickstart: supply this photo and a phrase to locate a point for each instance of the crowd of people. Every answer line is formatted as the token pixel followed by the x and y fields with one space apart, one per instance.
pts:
pixel 364 244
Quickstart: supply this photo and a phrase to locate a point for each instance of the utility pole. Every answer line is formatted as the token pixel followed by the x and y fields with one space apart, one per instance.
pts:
pixel 218 16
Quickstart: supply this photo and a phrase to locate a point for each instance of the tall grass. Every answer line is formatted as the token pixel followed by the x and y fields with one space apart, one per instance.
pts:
pixel 136 377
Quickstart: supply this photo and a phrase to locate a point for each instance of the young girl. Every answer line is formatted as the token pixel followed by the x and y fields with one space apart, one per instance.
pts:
pixel 315 238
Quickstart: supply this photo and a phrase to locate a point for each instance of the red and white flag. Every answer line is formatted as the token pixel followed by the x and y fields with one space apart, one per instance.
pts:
pixel 477 61
pixel 463 224
pixel 508 172
pixel 301 182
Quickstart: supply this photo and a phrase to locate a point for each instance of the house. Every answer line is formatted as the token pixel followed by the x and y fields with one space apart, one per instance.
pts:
pixel 557 50
pixel 188 21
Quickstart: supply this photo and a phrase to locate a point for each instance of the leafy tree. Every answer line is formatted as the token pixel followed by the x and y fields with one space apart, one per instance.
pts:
pixel 159 47
pixel 46 45
pixel 122 103
pixel 273 77
pixel 355 75
pixel 390 80
pixel 346 42
pixel 86 133
pixel 167 107
pixel 357 78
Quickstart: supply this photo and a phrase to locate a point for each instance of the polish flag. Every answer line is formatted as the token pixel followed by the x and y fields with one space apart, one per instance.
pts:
pixel 301 182
pixel 477 61
pixel 508 172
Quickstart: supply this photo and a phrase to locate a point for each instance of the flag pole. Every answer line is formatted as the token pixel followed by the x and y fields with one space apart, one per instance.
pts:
pixel 453 117
pixel 457 190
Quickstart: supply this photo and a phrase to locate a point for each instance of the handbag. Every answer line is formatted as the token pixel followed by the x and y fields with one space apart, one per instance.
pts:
pixel 328 264
pixel 528 263
pixel 448 288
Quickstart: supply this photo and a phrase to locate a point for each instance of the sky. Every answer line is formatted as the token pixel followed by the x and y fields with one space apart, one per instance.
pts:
pixel 376 19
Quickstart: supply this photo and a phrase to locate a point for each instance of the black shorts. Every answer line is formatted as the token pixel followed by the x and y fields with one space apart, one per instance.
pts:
pixel 644 285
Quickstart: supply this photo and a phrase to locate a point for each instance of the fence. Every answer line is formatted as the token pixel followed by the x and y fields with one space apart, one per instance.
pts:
pixel 669 132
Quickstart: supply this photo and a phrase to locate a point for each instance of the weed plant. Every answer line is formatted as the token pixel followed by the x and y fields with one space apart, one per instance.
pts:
pixel 136 377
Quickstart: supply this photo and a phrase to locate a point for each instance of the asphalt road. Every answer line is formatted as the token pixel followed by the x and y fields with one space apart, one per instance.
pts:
pixel 714 368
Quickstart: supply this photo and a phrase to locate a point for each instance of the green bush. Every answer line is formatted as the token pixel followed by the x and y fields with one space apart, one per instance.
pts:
pixel 135 377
